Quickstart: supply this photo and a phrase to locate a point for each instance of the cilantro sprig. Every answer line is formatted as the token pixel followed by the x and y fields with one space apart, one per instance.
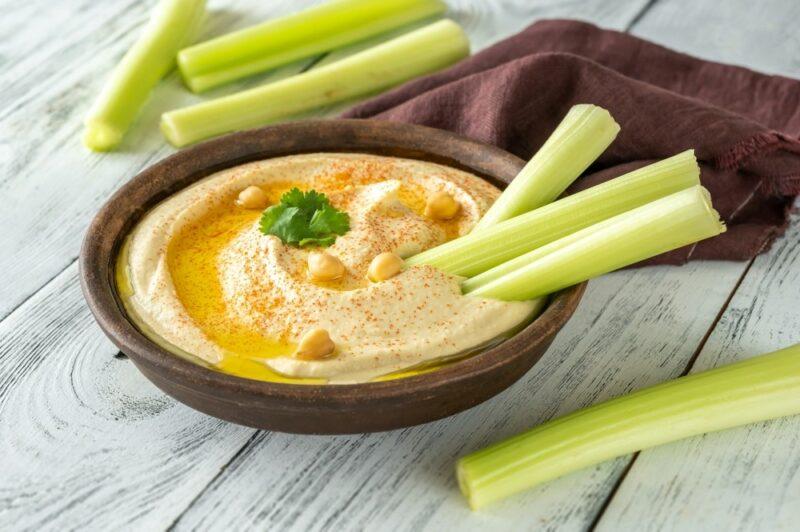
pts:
pixel 305 219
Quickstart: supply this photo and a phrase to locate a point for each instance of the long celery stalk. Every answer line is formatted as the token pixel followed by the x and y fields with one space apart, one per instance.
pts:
pixel 413 54
pixel 665 224
pixel 173 24
pixel 481 250
pixel 579 139
pixel 761 388
pixel 280 41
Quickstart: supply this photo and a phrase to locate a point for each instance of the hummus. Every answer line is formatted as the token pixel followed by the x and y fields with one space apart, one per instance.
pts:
pixel 198 274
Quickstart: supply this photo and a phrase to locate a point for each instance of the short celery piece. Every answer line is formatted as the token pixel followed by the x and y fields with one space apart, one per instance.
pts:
pixel 173 24
pixel 413 54
pixel 479 251
pixel 307 33
pixel 662 225
pixel 579 139
pixel 758 389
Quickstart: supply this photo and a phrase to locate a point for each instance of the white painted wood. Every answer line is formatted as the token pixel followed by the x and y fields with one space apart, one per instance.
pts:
pixel 86 442
pixel 73 465
pixel 747 478
pixel 487 22
pixel 761 35
pixel 742 479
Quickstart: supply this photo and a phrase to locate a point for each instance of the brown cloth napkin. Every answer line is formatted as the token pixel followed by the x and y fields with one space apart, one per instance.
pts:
pixel 743 125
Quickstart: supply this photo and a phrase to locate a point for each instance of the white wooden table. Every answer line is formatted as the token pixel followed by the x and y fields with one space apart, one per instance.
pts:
pixel 87 443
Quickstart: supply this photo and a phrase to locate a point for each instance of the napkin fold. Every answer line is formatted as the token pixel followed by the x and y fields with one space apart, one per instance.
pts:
pixel 743 125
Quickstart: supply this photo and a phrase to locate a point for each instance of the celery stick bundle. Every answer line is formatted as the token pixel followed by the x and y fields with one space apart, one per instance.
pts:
pixel 419 52
pixel 671 222
pixel 761 388
pixel 481 250
pixel 174 24
pixel 280 41
pixel 524 248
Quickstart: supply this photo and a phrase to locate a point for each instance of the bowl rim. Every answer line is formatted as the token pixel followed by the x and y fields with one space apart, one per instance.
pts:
pixel 114 220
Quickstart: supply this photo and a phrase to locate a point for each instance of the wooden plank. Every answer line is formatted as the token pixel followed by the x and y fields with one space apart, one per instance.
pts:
pixel 761 36
pixel 742 479
pixel 746 478
pixel 489 22
pixel 85 440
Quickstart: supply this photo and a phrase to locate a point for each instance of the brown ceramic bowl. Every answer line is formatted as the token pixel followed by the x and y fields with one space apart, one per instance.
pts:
pixel 320 409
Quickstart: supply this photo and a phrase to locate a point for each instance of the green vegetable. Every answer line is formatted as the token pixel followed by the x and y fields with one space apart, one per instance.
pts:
pixel 579 139
pixel 280 41
pixel 662 225
pixel 173 24
pixel 305 219
pixel 761 388
pixel 413 54
pixel 481 250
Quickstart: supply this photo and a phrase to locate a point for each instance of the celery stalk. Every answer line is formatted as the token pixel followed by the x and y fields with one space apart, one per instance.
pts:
pixel 579 139
pixel 280 41
pixel 665 224
pixel 173 24
pixel 481 250
pixel 761 388
pixel 416 53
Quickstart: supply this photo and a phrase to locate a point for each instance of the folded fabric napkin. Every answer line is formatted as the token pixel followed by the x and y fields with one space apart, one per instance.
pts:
pixel 743 125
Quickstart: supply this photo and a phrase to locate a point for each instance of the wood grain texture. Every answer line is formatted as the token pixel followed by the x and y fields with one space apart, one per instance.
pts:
pixel 746 478
pixel 761 35
pixel 742 479
pixel 90 444
pixel 85 440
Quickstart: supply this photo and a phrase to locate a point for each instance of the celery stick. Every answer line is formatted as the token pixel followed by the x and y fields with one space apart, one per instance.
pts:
pixel 416 53
pixel 761 388
pixel 665 224
pixel 473 283
pixel 304 34
pixel 480 250
pixel 579 139
pixel 173 24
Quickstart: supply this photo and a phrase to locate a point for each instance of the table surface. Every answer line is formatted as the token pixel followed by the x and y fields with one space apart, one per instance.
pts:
pixel 87 443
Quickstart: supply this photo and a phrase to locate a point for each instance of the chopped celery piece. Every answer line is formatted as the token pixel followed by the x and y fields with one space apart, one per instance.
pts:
pixel 173 24
pixel 665 224
pixel 480 250
pixel 579 139
pixel 283 40
pixel 413 54
pixel 760 388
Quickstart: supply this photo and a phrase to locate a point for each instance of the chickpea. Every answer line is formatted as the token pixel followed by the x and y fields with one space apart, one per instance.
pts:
pixel 441 206
pixel 316 344
pixel 252 197
pixel 323 266
pixel 384 266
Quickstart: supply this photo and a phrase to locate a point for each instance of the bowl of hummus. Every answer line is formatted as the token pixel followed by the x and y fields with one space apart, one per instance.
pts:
pixel 260 278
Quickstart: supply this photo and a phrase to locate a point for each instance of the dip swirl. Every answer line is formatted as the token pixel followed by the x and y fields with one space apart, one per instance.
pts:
pixel 199 275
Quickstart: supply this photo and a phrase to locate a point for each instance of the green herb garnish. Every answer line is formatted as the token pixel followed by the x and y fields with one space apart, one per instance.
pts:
pixel 305 219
